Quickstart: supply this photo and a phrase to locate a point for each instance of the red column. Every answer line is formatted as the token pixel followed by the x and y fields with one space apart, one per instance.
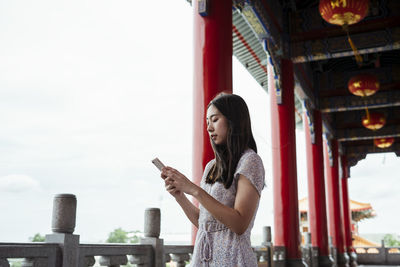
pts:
pixel 334 203
pixel 286 211
pixel 316 188
pixel 212 75
pixel 348 242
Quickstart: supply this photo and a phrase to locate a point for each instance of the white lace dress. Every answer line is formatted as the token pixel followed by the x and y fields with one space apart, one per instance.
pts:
pixel 216 245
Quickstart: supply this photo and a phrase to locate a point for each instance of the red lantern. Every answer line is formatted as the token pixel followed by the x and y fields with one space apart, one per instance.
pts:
pixel 374 121
pixel 363 85
pixel 343 12
pixel 384 142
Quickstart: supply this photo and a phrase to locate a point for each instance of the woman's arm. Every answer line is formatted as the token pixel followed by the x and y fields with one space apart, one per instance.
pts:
pixel 237 218
pixel 191 211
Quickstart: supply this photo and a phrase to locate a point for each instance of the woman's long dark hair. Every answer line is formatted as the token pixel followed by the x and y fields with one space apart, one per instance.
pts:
pixel 239 138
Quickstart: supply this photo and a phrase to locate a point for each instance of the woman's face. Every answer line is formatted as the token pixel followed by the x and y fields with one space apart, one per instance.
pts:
pixel 217 126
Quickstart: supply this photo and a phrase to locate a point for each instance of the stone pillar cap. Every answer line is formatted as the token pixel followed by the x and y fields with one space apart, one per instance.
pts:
pixel 65 195
pixel 149 209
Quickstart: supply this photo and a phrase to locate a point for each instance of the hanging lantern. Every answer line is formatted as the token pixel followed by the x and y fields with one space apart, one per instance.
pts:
pixel 363 85
pixel 374 121
pixel 383 142
pixel 344 13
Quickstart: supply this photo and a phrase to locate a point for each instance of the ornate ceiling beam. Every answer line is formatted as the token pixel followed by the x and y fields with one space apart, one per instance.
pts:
pixel 336 31
pixel 355 150
pixel 344 91
pixel 365 134
pixel 305 85
pixel 327 128
pixel 337 47
pixel 348 103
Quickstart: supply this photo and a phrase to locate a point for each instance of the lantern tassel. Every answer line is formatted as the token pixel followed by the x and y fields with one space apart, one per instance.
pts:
pixel 366 108
pixel 356 53
pixel 367 112
pixel 353 47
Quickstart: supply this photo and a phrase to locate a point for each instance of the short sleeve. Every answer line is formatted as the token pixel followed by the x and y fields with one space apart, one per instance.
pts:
pixel 251 167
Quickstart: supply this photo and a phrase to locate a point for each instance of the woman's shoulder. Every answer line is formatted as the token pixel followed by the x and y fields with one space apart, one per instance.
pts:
pixel 250 165
pixel 250 161
pixel 249 156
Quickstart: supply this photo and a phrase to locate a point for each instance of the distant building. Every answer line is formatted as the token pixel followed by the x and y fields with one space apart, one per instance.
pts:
pixel 359 212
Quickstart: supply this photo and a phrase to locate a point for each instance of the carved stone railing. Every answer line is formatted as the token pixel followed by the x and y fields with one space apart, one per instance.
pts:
pixel 178 254
pixel 63 249
pixel 115 254
pixel 378 255
pixel 34 254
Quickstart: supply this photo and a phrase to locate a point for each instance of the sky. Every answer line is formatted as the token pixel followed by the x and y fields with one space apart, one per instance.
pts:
pixel 92 91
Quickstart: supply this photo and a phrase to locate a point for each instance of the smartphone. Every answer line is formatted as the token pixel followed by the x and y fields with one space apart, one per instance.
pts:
pixel 158 163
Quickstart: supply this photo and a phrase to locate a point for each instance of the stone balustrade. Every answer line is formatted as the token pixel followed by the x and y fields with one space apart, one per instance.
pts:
pixel 63 249
pixel 378 255
pixel 34 254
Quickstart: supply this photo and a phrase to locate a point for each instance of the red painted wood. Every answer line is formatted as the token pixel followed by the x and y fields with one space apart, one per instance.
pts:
pixel 333 198
pixel 248 47
pixel 348 243
pixel 286 210
pixel 316 186
pixel 212 75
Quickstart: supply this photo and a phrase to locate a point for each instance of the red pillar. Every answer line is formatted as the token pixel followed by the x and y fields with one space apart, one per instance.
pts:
pixel 286 211
pixel 334 203
pixel 348 242
pixel 316 188
pixel 212 75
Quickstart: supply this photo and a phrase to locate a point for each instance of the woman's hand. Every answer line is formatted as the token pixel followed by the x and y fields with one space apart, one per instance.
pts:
pixel 177 182
pixel 173 191
pixel 170 188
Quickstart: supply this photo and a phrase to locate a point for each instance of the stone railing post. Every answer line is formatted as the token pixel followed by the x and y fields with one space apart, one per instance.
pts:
pixel 63 226
pixel 152 223
pixel 307 249
pixel 307 239
pixel 180 259
pixel 266 241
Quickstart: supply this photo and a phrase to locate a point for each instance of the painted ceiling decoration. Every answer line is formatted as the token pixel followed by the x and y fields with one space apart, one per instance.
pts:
pixel 324 63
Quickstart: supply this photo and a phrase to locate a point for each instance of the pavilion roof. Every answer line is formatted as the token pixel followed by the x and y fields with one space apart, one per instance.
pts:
pixel 354 205
pixel 359 241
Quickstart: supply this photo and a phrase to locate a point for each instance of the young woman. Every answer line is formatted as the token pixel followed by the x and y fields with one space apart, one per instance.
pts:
pixel 230 188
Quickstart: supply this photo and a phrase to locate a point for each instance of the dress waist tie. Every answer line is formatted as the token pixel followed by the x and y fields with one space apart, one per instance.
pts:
pixel 205 240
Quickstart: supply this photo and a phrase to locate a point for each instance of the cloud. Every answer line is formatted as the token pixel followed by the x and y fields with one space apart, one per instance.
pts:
pixel 17 183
